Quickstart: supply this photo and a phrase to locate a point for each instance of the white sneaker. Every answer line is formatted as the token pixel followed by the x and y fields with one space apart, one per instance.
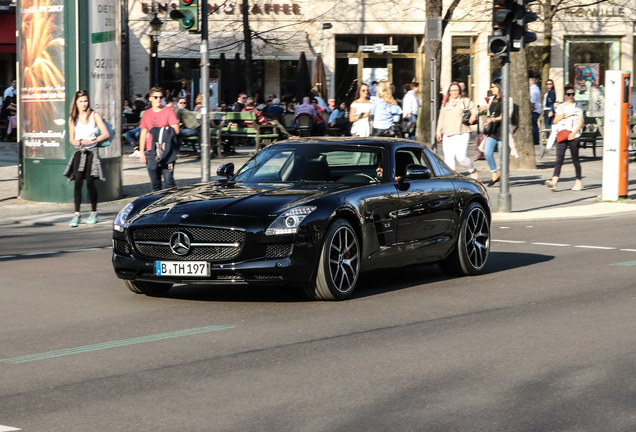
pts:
pixel 134 154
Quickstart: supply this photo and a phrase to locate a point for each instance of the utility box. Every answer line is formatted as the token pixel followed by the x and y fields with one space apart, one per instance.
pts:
pixel 65 46
pixel 616 135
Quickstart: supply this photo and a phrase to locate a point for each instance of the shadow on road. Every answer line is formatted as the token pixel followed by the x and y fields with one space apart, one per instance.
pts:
pixel 371 283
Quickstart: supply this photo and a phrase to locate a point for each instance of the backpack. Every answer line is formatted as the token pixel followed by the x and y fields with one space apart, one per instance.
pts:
pixel 111 134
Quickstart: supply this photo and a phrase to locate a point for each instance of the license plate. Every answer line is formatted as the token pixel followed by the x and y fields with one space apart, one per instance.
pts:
pixel 182 268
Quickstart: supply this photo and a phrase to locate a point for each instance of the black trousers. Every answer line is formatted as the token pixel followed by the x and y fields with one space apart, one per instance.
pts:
pixel 79 181
pixel 574 151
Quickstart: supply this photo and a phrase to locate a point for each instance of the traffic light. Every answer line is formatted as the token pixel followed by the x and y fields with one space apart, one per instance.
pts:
pixel 503 14
pixel 519 34
pixel 187 15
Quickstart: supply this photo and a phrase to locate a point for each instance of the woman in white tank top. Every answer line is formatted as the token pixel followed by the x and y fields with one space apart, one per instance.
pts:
pixel 83 125
pixel 359 112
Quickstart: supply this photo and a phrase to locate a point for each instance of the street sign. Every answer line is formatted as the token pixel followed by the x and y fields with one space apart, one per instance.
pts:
pixel 434 29
pixel 378 48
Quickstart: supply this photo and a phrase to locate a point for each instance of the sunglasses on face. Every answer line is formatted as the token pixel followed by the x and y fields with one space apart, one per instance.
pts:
pixel 155 97
pixel 569 94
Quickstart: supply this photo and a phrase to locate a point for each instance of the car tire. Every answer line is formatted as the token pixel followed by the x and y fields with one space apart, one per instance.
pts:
pixel 339 265
pixel 152 289
pixel 473 244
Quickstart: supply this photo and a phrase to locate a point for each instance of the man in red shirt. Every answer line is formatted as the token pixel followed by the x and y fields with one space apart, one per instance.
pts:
pixel 158 117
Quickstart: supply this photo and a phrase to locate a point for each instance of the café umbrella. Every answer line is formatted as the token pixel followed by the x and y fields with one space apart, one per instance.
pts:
pixel 303 83
pixel 320 78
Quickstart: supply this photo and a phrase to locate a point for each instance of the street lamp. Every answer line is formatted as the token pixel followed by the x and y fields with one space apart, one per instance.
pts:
pixel 155 32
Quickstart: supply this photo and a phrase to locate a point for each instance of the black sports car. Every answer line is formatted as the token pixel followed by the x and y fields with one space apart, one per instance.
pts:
pixel 311 213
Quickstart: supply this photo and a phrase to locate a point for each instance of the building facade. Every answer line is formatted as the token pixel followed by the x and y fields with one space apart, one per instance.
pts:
pixel 370 40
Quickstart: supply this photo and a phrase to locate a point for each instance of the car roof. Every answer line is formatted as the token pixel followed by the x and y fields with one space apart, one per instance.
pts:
pixel 369 141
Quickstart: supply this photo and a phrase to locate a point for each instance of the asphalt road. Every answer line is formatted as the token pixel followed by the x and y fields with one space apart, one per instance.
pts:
pixel 544 341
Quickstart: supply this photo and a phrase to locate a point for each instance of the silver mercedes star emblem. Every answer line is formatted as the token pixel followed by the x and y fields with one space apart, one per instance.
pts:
pixel 180 243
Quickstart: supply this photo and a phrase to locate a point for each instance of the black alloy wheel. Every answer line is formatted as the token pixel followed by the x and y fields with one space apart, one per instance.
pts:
pixel 339 265
pixel 152 289
pixel 473 244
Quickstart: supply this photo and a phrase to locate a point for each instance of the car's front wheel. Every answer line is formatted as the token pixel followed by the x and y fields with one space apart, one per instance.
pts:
pixel 339 266
pixel 473 244
pixel 152 289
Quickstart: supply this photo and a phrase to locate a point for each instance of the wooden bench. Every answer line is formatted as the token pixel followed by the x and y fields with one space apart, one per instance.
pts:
pixel 233 126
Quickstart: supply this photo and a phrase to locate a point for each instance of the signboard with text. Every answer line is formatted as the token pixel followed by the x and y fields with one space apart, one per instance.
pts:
pixel 42 83
pixel 104 60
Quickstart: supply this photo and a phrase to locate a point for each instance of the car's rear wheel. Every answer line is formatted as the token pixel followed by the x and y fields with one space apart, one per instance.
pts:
pixel 473 244
pixel 339 265
pixel 152 289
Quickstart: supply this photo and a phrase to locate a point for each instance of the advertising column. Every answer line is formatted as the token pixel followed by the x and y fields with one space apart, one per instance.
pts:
pixel 104 85
pixel 42 110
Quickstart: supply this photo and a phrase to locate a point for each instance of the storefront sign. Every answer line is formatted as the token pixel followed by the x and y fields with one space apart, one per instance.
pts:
pixel 604 12
pixel 378 48
pixel 104 61
pixel 42 83
pixel 229 8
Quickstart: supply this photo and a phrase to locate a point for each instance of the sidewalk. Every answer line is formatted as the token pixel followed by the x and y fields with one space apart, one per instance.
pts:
pixel 531 199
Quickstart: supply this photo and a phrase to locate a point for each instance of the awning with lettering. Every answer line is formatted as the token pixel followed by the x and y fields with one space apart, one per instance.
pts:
pixel 277 46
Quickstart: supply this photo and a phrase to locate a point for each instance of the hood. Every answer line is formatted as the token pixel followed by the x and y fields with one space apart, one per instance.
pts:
pixel 236 199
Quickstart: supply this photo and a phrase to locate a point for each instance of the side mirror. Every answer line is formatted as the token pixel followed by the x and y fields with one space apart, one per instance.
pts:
pixel 226 170
pixel 417 172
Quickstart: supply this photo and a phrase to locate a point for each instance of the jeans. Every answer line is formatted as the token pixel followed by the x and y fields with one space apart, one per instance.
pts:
pixel 155 176
pixel 535 127
pixel 187 133
pixel 413 119
pixel 132 136
pixel 489 151
pixel 574 151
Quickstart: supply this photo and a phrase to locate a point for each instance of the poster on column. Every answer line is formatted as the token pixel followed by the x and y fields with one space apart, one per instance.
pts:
pixel 42 111
pixel 104 61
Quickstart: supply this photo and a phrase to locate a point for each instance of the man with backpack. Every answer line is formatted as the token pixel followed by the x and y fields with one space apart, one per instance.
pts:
pixel 159 129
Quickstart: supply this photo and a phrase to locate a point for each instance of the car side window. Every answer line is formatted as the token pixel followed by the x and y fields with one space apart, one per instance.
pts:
pixel 437 165
pixel 407 156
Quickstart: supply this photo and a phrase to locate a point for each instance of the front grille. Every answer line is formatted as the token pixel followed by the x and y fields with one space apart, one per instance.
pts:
pixel 279 250
pixel 201 235
pixel 121 247
pixel 197 235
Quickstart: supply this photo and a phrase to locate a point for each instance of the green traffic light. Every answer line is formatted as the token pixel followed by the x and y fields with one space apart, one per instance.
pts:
pixel 188 20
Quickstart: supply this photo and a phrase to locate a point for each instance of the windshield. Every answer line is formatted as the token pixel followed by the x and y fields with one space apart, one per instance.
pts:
pixel 315 163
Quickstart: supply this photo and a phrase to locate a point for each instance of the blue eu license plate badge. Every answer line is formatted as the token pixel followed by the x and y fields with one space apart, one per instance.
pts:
pixel 158 268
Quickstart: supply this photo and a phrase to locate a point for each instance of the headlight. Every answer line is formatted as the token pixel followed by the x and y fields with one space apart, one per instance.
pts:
pixel 288 222
pixel 122 218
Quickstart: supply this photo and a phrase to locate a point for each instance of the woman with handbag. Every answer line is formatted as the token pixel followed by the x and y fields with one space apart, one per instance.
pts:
pixel 83 125
pixel 492 130
pixel 385 111
pixel 569 120
pixel 453 128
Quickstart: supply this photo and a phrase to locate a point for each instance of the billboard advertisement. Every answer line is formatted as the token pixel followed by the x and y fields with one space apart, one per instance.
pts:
pixel 42 84
pixel 104 60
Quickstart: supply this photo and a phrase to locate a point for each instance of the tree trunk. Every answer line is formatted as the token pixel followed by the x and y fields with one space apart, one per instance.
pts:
pixel 433 9
pixel 247 36
pixel 546 56
pixel 520 93
pixel 424 119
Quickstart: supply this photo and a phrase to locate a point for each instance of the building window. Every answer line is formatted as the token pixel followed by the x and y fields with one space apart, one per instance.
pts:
pixel 585 63
pixel 463 53
pixel 288 70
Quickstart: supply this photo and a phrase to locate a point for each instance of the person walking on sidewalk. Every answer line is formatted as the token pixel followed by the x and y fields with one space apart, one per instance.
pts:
pixel 453 132
pixel 385 111
pixel 535 106
pixel 83 125
pixel 157 117
pixel 359 112
pixel 549 98
pixel 569 117
pixel 411 106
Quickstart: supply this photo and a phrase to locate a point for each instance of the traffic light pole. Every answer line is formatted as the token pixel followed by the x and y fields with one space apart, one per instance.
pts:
pixel 505 199
pixel 205 94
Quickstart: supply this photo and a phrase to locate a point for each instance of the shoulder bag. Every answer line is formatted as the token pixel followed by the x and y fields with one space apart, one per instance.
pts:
pixel 466 114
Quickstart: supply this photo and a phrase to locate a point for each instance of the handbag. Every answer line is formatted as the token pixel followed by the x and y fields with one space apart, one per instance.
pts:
pixel 563 135
pixel 479 149
pixel 408 127
pixel 111 134
pixel 489 128
pixel 466 114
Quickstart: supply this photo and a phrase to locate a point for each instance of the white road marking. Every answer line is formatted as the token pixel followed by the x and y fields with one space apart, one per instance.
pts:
pixel 8 429
pixel 595 247
pixel 509 241
pixel 624 250
pixel 504 227
pixel 551 244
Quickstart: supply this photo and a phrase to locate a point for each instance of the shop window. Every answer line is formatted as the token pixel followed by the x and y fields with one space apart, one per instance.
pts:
pixel 288 70
pixel 463 53
pixel 347 44
pixel 403 73
pixel 406 44
pixel 345 74
pixel 586 60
